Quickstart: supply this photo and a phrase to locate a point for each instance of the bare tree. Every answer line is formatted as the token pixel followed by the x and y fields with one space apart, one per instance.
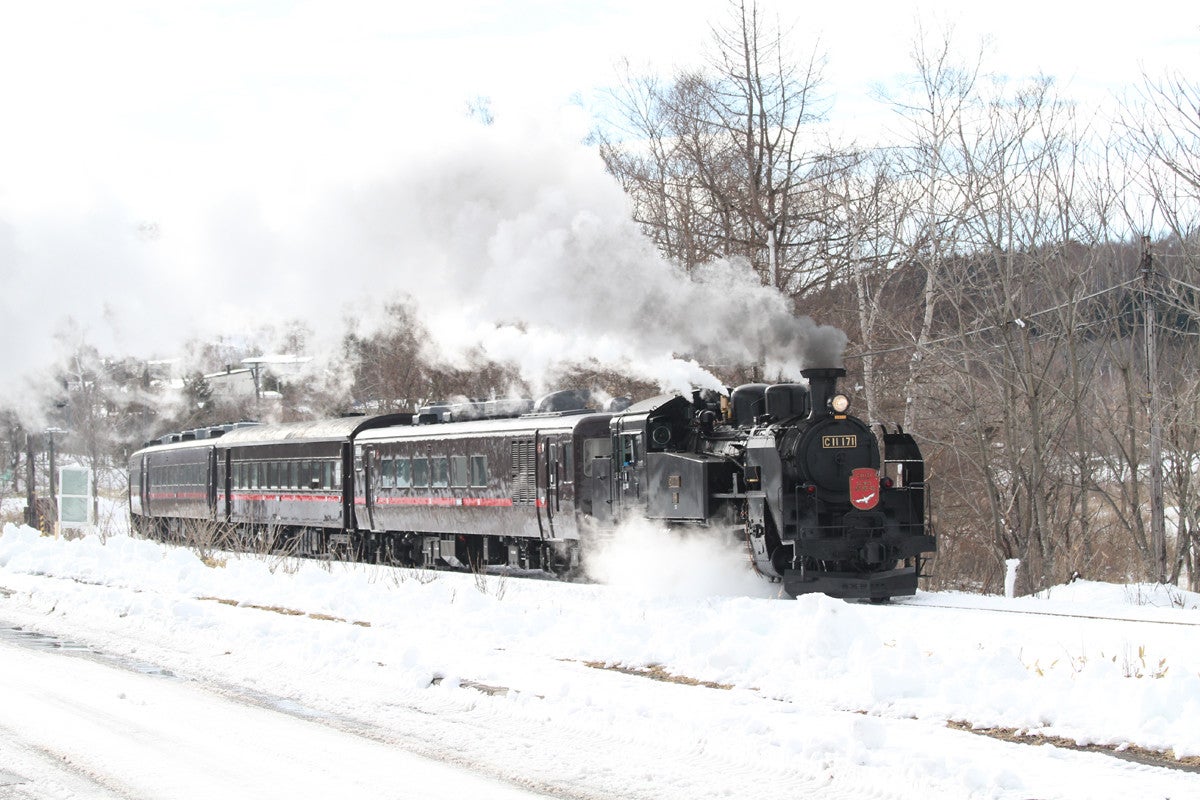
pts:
pixel 388 371
pixel 875 208
pixel 1161 120
pixel 724 161
pixel 1003 226
pixel 935 110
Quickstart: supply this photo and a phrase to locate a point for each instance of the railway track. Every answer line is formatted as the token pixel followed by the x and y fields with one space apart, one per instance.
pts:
pixel 1064 615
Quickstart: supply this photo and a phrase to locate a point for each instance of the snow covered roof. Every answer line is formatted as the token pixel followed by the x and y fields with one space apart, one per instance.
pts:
pixel 321 429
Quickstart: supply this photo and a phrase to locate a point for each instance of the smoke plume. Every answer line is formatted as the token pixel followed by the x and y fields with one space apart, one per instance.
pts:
pixel 516 240
pixel 509 237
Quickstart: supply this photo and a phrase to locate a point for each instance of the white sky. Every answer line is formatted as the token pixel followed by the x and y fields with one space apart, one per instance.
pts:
pixel 140 92
pixel 118 114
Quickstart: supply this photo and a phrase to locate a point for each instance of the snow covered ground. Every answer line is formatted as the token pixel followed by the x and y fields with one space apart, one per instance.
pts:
pixel 265 677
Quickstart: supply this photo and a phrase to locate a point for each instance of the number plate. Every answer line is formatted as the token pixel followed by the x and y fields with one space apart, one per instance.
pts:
pixel 838 442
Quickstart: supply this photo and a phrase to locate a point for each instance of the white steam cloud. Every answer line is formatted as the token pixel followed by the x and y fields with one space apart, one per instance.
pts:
pixel 516 240
pixel 510 238
pixel 645 558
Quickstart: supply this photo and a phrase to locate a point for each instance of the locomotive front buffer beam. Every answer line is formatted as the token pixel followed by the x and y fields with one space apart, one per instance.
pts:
pixel 876 586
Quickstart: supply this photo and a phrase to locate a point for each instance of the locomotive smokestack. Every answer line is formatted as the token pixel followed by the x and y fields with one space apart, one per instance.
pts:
pixel 822 385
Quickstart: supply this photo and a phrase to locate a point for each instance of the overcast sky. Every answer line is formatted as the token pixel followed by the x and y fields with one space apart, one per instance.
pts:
pixel 171 152
pixel 141 96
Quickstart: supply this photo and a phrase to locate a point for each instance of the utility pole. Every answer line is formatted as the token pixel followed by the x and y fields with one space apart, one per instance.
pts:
pixel 1158 533
pixel 31 512
pixel 53 480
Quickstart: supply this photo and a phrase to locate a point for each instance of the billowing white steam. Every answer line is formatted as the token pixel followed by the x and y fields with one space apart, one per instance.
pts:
pixel 646 558
pixel 511 238
pixel 515 239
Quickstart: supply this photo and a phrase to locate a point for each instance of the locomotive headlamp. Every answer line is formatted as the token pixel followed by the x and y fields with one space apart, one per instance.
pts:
pixel 839 403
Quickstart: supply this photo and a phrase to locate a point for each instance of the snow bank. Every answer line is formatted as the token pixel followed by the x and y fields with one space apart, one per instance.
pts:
pixel 1132 680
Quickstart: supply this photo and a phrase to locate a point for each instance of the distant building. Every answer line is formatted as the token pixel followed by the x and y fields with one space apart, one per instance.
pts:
pixel 256 374
pixel 232 384
pixel 164 372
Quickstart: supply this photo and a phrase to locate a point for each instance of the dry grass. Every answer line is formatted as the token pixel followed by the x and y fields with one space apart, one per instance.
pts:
pixel 656 672
pixel 288 612
pixel 1140 755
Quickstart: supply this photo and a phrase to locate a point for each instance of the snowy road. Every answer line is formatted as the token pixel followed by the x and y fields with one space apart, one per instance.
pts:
pixel 127 730
pixel 73 726
pixel 301 679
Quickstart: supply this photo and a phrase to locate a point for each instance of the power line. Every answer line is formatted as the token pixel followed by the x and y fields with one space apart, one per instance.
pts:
pixel 1019 321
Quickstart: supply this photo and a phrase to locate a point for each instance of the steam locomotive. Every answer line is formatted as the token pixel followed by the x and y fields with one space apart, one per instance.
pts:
pixel 782 469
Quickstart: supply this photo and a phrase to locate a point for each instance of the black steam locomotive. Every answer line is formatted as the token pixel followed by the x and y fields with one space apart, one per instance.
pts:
pixel 782 468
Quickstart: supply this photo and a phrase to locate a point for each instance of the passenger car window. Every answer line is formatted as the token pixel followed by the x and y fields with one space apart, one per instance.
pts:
pixel 404 478
pixel 479 471
pixel 420 472
pixel 441 472
pixel 458 472
pixel 387 473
